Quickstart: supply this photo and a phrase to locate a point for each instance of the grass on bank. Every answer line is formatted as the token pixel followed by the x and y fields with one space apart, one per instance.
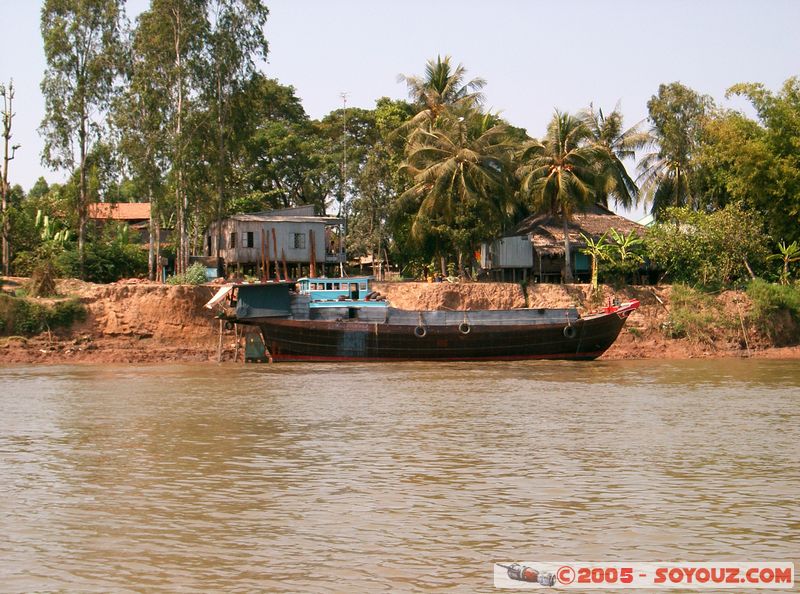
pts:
pixel 695 315
pixel 776 310
pixel 27 317
pixel 700 317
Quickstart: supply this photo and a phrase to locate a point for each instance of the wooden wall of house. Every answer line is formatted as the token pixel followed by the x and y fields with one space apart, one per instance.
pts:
pixel 284 236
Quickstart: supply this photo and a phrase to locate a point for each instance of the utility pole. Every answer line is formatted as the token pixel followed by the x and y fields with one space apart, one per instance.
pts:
pixel 8 116
pixel 342 206
pixel 344 152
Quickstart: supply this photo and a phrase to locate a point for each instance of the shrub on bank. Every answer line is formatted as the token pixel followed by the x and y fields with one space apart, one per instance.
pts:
pixel 713 250
pixel 194 275
pixel 695 315
pixel 105 262
pixel 776 310
pixel 27 317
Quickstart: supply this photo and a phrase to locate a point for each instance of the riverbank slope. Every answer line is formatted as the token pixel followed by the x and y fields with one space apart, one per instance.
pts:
pixel 138 322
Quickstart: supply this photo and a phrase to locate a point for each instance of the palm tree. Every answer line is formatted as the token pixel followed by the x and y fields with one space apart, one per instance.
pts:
pixel 616 144
pixel 665 181
pixel 677 116
pixel 557 174
pixel 461 175
pixel 440 88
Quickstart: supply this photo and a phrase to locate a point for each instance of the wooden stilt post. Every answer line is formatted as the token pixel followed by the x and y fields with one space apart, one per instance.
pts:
pixel 268 272
pixel 275 251
pixel 264 272
pixel 312 254
pixel 285 269
pixel 219 343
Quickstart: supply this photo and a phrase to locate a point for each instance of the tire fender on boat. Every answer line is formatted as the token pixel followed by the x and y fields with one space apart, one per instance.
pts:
pixel 569 331
pixel 464 328
pixel 420 332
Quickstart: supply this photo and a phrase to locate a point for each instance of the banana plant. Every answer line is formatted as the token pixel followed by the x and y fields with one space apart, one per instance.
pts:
pixel 787 254
pixel 49 230
pixel 627 247
pixel 597 250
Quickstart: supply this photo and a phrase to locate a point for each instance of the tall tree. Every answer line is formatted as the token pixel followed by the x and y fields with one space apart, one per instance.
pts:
pixel 82 47
pixel 616 145
pixel 288 159
pixel 236 40
pixel 7 92
pixel 142 143
pixel 557 175
pixel 762 159
pixel 677 115
pixel 378 184
pixel 168 43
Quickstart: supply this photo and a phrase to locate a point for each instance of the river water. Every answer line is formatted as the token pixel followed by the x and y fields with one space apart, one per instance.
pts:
pixel 388 478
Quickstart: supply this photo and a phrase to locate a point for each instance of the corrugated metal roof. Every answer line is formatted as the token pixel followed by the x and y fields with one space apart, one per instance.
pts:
pixel 271 218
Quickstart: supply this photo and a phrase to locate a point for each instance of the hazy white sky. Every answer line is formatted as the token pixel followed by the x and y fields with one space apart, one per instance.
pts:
pixel 535 55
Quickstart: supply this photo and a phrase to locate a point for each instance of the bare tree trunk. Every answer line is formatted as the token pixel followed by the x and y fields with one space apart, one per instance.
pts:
pixel 181 259
pixel 220 165
pixel 158 245
pixel 83 202
pixel 8 115
pixel 151 251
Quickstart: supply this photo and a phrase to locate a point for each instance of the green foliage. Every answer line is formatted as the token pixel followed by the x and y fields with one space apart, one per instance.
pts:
pixel 765 169
pixel 695 315
pixel 598 250
pixel 461 177
pixel 443 87
pixel 712 250
pixel 627 254
pixel 787 255
pixel 109 256
pixel 776 310
pixel 559 174
pixel 667 175
pixel 83 49
pixel 27 316
pixel 615 145
pixel 194 275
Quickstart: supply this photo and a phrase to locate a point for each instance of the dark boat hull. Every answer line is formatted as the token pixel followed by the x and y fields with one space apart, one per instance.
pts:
pixel 352 340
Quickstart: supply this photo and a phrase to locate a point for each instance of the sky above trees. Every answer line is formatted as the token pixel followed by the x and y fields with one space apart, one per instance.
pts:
pixel 535 56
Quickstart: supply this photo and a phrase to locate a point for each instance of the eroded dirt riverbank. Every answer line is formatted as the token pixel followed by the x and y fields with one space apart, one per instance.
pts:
pixel 140 322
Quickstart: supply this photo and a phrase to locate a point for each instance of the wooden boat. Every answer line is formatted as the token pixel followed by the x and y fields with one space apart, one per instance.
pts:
pixel 336 320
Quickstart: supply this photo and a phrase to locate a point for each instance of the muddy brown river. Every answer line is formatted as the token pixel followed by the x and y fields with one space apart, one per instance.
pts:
pixel 370 478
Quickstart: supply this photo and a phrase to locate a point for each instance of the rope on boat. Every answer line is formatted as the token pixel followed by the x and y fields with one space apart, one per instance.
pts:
pixel 464 326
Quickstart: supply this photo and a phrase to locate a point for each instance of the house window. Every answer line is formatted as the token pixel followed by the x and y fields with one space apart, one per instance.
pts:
pixel 299 241
pixel 233 240
pixel 247 239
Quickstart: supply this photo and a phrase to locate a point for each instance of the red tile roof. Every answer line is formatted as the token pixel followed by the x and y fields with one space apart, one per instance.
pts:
pixel 120 211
